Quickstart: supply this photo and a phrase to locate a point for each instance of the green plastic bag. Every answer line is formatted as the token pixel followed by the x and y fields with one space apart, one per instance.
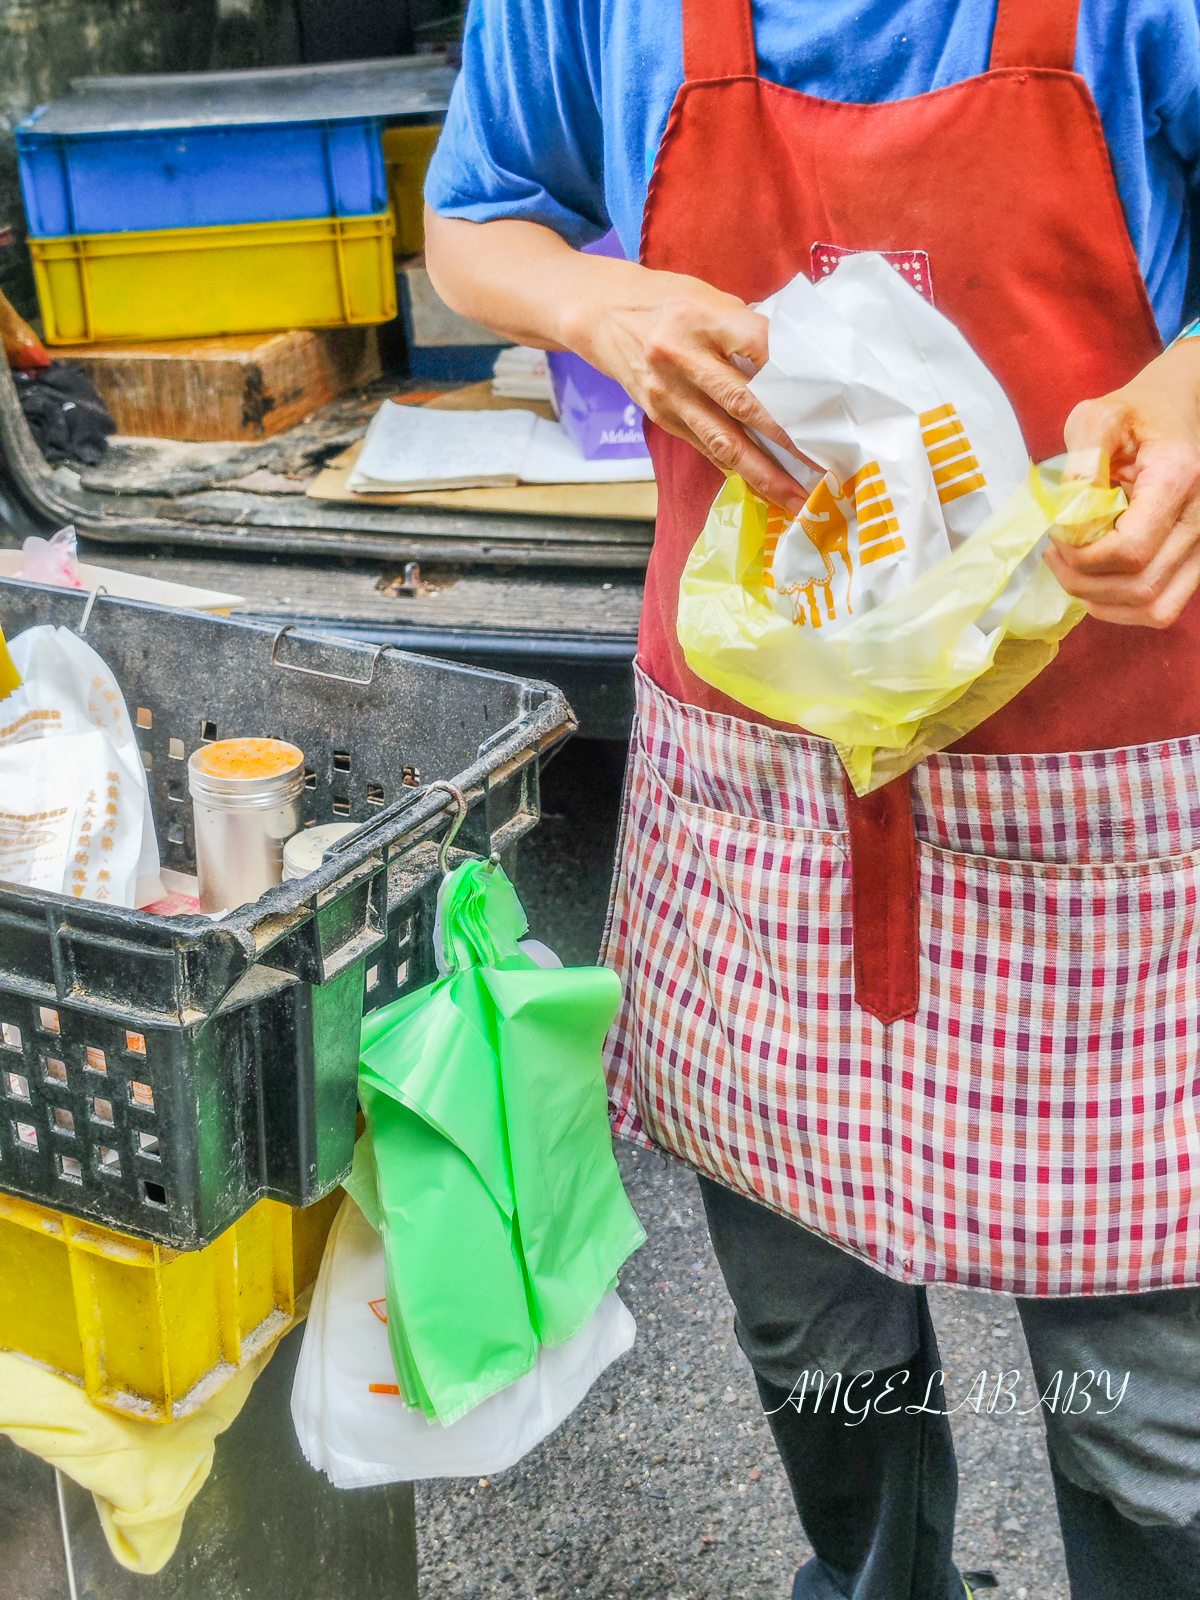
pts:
pixel 487 1163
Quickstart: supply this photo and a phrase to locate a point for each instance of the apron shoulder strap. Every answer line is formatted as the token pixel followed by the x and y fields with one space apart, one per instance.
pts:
pixel 1035 33
pixel 718 40
pixel 718 37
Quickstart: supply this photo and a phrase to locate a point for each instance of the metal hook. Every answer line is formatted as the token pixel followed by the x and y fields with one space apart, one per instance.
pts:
pixel 313 672
pixel 87 610
pixel 460 800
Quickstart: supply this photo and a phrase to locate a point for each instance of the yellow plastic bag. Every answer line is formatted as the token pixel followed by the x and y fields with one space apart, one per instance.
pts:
pixel 921 669
pixel 10 678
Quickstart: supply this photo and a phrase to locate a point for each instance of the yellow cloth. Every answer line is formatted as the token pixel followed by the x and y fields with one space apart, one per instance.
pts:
pixel 142 1475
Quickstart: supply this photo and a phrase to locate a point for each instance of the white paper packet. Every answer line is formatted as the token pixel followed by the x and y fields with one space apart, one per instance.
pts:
pixel 917 440
pixel 75 812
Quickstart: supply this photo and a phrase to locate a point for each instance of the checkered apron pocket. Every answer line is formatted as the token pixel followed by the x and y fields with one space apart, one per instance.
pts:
pixel 1034 1126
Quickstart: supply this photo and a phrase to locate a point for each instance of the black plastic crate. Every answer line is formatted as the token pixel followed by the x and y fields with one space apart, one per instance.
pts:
pixel 160 1074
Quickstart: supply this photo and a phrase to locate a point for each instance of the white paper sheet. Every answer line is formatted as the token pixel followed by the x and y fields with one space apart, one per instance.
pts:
pixel 408 447
pixel 413 448
pixel 554 457
pixel 521 374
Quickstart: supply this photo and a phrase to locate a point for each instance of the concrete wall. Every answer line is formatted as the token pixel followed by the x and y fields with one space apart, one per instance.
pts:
pixel 46 43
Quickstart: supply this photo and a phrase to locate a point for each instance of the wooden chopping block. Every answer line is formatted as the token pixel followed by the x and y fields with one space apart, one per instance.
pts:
pixel 243 386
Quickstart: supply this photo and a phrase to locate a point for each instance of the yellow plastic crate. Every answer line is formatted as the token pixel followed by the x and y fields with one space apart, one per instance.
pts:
pixel 407 153
pixel 150 1332
pixel 184 283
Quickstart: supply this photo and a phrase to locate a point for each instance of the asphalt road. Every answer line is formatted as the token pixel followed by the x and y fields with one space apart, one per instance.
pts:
pixel 664 1485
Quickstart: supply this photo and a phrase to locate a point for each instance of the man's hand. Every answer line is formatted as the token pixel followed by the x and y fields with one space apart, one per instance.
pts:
pixel 1146 570
pixel 672 346
pixel 670 341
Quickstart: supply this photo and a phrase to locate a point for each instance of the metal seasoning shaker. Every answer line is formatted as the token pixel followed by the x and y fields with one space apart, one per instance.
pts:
pixel 246 796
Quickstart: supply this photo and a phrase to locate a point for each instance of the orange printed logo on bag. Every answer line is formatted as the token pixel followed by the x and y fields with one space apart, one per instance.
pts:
pixel 878 530
pixel 824 521
pixel 827 526
pixel 955 470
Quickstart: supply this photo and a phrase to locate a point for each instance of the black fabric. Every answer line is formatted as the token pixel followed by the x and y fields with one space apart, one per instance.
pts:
pixel 1111 1558
pixel 799 1299
pixel 876 1499
pixel 877 1496
pixel 1143 1453
pixel 66 416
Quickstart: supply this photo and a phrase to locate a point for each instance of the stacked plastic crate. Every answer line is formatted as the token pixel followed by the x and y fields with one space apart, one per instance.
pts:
pixel 177 1095
pixel 182 206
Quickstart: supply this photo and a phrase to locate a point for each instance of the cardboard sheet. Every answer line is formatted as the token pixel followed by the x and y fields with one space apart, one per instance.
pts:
pixel 482 397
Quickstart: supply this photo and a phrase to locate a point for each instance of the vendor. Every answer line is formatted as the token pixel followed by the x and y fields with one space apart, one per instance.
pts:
pixel 949 1032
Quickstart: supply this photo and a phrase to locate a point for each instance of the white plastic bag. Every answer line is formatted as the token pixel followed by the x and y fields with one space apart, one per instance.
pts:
pixel 349 1418
pixel 75 812
pixel 916 439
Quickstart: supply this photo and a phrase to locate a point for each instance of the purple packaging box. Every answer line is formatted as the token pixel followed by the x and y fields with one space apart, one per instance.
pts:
pixel 594 409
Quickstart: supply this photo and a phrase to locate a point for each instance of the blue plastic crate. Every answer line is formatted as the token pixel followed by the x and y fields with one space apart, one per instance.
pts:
pixel 199 177
pixel 198 150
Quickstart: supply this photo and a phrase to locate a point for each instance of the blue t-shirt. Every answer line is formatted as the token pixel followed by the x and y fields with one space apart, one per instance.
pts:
pixel 561 105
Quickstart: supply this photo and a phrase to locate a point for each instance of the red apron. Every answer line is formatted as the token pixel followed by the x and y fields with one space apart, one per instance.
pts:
pixel 1023 921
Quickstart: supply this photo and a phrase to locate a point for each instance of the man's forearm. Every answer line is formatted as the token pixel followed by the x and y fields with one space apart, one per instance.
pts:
pixel 676 345
pixel 526 282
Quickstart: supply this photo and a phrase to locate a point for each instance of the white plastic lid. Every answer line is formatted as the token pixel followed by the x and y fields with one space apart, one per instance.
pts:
pixel 303 851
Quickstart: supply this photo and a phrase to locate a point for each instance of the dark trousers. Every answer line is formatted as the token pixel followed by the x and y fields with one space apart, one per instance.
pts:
pixel 871 1463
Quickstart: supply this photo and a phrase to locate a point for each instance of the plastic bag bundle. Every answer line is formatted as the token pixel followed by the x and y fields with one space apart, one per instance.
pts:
pixel 350 1419
pixel 503 1217
pixel 75 813
pixel 908 600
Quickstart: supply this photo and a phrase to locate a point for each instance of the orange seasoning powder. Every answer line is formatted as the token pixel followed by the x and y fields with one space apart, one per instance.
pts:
pixel 247 758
